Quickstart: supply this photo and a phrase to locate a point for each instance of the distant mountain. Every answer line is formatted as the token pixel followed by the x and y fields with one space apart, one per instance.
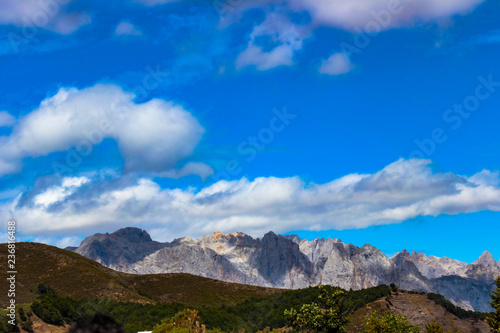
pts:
pixel 289 262
pixel 73 275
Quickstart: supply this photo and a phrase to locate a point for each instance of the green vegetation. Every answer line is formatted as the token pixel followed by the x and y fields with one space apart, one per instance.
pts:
pixel 325 315
pixel 186 321
pixel 257 314
pixel 5 327
pixel 134 317
pixel 252 315
pixel 389 322
pixel 433 327
pixel 457 311
pixel 494 318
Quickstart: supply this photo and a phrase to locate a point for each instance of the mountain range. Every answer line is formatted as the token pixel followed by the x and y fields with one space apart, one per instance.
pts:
pixel 289 262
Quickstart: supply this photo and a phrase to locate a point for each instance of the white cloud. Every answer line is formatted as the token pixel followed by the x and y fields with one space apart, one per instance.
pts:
pixel 127 29
pixel 49 15
pixel 191 168
pixel 336 64
pixel 352 14
pixel 58 193
pixel 286 37
pixel 6 119
pixel 359 16
pixel 151 136
pixel 403 190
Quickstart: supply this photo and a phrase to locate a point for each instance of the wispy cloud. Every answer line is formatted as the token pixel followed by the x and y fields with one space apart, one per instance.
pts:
pixel 279 40
pixel 336 64
pixel 492 37
pixel 50 15
pixel 6 119
pixel 125 28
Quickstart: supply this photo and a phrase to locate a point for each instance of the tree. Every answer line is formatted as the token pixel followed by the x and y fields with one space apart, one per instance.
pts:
pixel 434 327
pixel 326 315
pixel 494 318
pixel 187 321
pixel 389 322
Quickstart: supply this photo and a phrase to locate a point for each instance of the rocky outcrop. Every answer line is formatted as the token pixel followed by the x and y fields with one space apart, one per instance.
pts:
pixel 290 262
pixel 433 267
pixel 120 249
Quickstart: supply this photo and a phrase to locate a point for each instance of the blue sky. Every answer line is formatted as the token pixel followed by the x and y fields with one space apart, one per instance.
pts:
pixel 371 122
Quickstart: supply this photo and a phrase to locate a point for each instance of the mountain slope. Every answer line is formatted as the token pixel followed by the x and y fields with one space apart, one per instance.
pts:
pixel 71 274
pixel 419 310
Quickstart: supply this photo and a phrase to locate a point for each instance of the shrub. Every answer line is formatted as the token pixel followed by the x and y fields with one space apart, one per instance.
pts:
pixel 389 322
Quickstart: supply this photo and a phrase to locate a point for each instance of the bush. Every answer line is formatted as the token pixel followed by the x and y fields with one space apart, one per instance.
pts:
pixel 47 312
pixel 389 322
pixel 433 327
pixel 325 315
pixel 27 326
pixel 186 321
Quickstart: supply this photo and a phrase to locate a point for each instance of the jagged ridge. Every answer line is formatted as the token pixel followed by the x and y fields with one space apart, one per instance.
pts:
pixel 289 262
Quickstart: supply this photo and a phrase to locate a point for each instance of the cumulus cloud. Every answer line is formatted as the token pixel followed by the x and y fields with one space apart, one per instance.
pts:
pixel 352 14
pixel 49 15
pixel 336 64
pixel 403 190
pixel 272 43
pixel 127 29
pixel 152 136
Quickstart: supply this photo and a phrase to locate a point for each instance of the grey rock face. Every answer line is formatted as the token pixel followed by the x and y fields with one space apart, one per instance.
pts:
pixel 485 268
pixel 433 267
pixel 289 262
pixel 119 249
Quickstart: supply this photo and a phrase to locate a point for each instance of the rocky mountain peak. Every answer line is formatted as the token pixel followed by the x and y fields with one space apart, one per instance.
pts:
pixel 403 254
pixel 288 262
pixel 486 259
pixel 219 235
pixel 132 235
pixel 293 238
